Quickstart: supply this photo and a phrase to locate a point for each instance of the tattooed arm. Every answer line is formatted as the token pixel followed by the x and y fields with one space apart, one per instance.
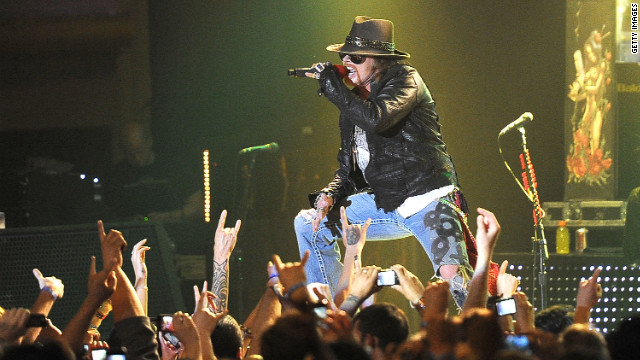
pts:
pixel 353 237
pixel 224 242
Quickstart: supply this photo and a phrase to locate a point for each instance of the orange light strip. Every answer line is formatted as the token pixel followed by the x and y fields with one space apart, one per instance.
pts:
pixel 207 185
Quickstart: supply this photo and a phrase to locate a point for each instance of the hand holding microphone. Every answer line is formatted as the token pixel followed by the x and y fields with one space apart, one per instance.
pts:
pixel 342 71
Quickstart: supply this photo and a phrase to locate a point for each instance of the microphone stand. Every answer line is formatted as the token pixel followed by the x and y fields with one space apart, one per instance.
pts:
pixel 540 250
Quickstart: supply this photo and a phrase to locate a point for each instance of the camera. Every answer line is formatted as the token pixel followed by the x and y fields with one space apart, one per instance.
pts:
pixel 37 320
pixel 388 277
pixel 506 307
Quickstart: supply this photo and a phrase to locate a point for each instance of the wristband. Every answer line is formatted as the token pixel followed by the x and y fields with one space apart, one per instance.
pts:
pixel 294 288
pixel 50 291
pixel 272 276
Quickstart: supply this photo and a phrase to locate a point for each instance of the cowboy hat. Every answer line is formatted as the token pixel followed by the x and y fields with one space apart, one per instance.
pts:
pixel 370 37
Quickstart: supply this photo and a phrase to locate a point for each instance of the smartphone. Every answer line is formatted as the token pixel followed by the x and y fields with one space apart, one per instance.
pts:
pixel 116 354
pixel 99 354
pixel 506 307
pixel 37 320
pixel 518 342
pixel 165 322
pixel 172 339
pixel 321 311
pixel 388 277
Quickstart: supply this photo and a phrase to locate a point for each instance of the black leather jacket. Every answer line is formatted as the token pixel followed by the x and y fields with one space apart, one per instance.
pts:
pixel 408 155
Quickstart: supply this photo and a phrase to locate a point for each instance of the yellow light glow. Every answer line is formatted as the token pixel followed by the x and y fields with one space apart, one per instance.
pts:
pixel 206 184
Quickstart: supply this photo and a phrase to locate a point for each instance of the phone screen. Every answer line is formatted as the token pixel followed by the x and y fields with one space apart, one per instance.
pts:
pixel 99 354
pixel 387 278
pixel 171 339
pixel 506 307
pixel 517 342
pixel 117 357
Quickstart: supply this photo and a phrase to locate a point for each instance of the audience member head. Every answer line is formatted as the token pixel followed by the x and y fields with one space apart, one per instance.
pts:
pixel 226 338
pixel 51 350
pixel 347 350
pixel 555 319
pixel 623 341
pixel 580 337
pixel 544 345
pixel 418 347
pixel 379 325
pixel 514 355
pixel 293 336
pixel 479 335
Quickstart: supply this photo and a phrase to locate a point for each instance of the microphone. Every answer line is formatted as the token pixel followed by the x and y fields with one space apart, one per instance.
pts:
pixel 271 147
pixel 342 71
pixel 523 120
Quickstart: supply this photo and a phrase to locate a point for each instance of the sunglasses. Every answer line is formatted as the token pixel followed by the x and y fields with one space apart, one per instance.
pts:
pixel 356 59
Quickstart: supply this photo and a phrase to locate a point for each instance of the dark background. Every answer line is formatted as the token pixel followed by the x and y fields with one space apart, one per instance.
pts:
pixel 219 82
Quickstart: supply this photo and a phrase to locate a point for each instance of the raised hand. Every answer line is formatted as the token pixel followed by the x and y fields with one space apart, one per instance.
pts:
pixel 507 284
pixel 337 325
pixel 185 329
pixel 102 284
pixel 487 232
pixel 291 273
pixel 364 284
pixel 589 291
pixel 436 300
pixel 293 277
pixel 138 261
pixel 353 235
pixel 13 324
pixel 410 286
pixel 206 315
pixel 224 242
pixel 525 313
pixel 112 244
pixel 52 283
pixel 225 238
pixel 322 206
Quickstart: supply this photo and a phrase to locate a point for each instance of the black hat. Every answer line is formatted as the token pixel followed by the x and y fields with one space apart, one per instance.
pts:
pixel 370 37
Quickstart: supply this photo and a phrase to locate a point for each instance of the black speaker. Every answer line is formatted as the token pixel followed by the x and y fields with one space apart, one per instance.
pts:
pixel 628 127
pixel 65 252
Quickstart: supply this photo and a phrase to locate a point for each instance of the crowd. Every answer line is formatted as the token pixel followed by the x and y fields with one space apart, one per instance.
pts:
pixel 299 320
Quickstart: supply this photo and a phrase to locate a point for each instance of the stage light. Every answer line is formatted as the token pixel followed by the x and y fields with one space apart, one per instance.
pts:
pixel 206 185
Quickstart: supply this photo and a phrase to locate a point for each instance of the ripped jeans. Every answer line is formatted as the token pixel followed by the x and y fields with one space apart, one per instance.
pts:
pixel 437 228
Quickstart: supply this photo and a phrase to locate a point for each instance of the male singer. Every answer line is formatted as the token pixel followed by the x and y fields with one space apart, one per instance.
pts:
pixel 394 166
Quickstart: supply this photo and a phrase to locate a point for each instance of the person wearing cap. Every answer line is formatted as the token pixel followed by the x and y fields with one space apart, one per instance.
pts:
pixel 393 163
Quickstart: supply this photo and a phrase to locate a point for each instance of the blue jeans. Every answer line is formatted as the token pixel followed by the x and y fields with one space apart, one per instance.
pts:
pixel 437 228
